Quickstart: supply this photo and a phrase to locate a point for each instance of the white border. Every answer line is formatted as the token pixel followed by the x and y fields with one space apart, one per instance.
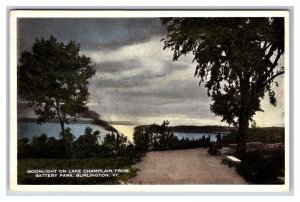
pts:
pixel 145 13
pixel 139 188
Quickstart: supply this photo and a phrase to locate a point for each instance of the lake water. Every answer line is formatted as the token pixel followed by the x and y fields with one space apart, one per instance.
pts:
pixel 29 129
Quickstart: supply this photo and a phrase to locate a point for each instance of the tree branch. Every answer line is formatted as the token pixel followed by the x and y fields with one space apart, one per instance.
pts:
pixel 270 53
pixel 266 46
pixel 274 64
pixel 56 107
pixel 273 77
pixel 53 104
pixel 266 75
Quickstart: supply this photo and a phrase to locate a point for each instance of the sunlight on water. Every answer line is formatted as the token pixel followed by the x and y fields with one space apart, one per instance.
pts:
pixel 127 130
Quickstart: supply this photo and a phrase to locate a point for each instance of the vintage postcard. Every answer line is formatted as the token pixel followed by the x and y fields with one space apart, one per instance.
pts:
pixel 149 101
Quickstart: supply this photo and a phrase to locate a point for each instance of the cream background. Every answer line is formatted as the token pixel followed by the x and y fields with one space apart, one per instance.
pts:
pixel 157 188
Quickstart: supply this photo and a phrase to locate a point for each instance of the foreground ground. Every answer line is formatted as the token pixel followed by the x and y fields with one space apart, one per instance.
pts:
pixel 192 166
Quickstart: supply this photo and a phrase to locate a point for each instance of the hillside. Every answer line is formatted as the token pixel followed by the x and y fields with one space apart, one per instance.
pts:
pixel 200 129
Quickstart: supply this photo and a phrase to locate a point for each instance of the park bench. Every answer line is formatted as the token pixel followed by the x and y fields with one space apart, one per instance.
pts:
pixel 232 161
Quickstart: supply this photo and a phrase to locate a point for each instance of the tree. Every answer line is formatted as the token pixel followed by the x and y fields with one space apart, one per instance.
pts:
pixel 87 145
pixel 67 140
pixel 237 59
pixel 53 77
pixel 141 139
pixel 22 147
pixel 114 143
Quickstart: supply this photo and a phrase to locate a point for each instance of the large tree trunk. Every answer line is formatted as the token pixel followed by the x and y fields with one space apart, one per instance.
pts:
pixel 241 134
pixel 62 125
pixel 243 120
pixel 117 142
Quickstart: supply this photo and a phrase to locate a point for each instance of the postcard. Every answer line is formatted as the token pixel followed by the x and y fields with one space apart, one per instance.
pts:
pixel 149 101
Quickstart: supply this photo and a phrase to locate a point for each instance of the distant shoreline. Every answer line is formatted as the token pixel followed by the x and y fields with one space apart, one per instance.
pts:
pixel 177 129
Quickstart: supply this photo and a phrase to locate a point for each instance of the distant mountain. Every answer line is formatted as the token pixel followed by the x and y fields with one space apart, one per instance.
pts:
pixel 201 129
pixel 217 129
pixel 196 129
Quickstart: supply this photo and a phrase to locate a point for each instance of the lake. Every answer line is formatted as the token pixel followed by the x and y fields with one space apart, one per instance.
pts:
pixel 29 129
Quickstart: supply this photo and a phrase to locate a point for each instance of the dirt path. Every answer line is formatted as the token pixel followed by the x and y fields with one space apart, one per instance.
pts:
pixel 192 166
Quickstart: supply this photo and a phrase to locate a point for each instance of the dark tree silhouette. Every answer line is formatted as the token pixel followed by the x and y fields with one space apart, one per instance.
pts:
pixel 53 77
pixel 87 145
pixel 114 143
pixel 237 59
pixel 142 139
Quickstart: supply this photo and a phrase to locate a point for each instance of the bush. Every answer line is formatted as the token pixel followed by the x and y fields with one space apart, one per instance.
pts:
pixel 262 168
pixel 86 146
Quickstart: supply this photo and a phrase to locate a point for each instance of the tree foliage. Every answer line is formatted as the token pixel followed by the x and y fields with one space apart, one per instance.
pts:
pixel 87 145
pixel 237 59
pixel 53 77
pixel 46 147
pixel 114 143
pixel 160 137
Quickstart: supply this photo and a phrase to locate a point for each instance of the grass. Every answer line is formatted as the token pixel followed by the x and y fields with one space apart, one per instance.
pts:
pixel 116 162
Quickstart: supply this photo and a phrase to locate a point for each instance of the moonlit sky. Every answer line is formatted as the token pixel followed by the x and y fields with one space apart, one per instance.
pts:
pixel 136 80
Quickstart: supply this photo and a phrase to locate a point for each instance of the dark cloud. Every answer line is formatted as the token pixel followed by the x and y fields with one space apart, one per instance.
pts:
pixel 140 77
pixel 139 106
pixel 24 110
pixel 91 34
pixel 120 83
pixel 186 90
pixel 135 79
pixel 161 98
pixel 117 66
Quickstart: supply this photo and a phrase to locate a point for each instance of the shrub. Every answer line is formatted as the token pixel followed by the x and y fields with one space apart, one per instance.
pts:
pixel 262 168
